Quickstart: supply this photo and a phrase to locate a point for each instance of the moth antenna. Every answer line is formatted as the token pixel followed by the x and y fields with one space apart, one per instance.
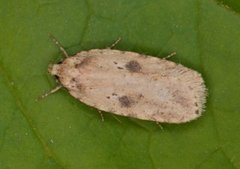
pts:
pixel 100 112
pixel 59 45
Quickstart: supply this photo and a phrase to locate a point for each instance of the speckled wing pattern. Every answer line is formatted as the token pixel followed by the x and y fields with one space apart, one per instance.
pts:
pixel 134 85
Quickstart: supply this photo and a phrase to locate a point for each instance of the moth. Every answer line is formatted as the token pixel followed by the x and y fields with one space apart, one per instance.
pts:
pixel 131 84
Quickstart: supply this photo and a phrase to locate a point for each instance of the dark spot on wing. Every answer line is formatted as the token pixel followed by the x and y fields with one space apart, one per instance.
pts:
pixel 133 66
pixel 73 83
pixel 140 96
pixel 197 112
pixel 57 77
pixel 79 87
pixel 125 101
pixel 120 67
pixel 60 62
pixel 190 88
pixel 73 80
pixel 84 62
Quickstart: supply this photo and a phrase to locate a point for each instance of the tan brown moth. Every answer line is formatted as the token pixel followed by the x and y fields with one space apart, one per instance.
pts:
pixel 132 84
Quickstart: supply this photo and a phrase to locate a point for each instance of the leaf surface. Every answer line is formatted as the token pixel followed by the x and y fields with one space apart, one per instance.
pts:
pixel 60 132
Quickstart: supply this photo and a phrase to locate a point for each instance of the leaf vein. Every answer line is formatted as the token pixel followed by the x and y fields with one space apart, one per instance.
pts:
pixel 20 106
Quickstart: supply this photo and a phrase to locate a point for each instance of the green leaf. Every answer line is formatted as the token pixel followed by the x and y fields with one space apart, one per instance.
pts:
pixel 231 4
pixel 60 132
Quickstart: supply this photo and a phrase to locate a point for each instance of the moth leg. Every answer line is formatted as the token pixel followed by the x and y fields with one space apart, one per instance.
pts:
pixel 100 112
pixel 115 43
pixel 59 45
pixel 170 55
pixel 116 118
pixel 50 92
pixel 159 125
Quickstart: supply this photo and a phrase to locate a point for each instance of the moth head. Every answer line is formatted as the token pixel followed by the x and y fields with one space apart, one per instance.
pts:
pixel 63 71
pixel 54 69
